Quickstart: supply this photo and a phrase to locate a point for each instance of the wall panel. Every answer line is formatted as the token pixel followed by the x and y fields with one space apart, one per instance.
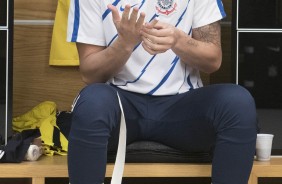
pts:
pixel 35 9
pixel 34 80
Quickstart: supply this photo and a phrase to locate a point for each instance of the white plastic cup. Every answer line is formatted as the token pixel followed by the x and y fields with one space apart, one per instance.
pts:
pixel 264 146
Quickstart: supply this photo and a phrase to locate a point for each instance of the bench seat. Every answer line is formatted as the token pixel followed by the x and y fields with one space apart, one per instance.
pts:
pixel 56 167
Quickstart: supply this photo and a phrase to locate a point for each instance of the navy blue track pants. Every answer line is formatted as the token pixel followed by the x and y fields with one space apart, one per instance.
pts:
pixel 221 117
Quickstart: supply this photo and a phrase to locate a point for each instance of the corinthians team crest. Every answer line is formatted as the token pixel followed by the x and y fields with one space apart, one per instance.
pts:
pixel 166 7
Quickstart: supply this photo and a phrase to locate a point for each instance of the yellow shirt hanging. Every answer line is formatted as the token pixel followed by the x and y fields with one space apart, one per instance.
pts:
pixel 62 53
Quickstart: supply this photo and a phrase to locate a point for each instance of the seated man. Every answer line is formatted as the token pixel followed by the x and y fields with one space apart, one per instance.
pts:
pixel 151 54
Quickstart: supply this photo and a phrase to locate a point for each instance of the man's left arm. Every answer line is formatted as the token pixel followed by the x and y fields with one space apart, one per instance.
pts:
pixel 201 51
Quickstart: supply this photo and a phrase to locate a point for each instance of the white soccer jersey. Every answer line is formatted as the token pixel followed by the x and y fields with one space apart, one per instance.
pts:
pixel 90 21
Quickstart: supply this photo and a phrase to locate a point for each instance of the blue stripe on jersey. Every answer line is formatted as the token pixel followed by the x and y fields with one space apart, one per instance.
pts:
pixel 142 4
pixel 189 33
pixel 180 18
pixel 189 82
pixel 154 16
pixel 142 72
pixel 76 21
pixel 174 62
pixel 221 8
pixel 106 13
pixel 112 39
pixel 136 46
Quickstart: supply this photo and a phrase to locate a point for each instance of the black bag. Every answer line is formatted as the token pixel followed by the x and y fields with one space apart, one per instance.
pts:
pixel 17 146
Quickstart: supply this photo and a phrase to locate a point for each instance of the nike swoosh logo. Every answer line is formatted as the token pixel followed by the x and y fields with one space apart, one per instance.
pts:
pixel 122 8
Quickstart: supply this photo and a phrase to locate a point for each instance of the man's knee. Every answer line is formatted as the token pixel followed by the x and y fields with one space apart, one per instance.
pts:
pixel 95 115
pixel 237 107
pixel 98 92
pixel 96 96
pixel 97 103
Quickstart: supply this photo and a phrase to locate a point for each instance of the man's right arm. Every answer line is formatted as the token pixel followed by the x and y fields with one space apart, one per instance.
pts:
pixel 99 64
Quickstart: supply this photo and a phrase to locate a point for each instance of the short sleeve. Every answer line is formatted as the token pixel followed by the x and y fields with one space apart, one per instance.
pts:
pixel 85 23
pixel 207 11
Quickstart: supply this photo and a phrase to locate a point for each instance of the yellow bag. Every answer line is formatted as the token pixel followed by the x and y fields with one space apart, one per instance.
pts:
pixel 43 117
pixel 62 53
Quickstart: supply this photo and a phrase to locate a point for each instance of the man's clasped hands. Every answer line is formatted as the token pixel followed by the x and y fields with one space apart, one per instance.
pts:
pixel 156 36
